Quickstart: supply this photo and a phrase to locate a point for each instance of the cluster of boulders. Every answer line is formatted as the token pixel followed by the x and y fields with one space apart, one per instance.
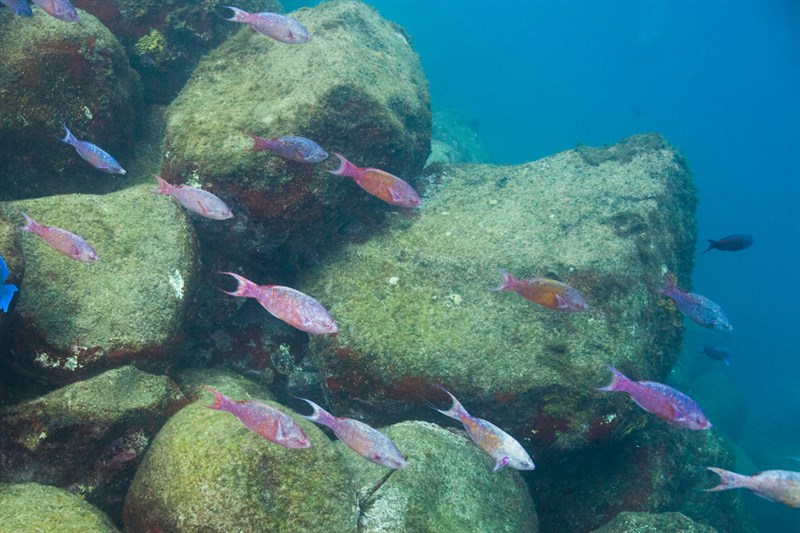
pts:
pixel 102 366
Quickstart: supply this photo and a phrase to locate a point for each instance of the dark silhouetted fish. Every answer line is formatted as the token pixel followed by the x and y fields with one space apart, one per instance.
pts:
pixel 718 353
pixel 731 243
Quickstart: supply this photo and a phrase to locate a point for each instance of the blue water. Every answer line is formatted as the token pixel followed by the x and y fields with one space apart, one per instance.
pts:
pixel 721 81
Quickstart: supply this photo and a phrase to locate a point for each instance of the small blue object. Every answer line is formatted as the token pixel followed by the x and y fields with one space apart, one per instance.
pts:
pixel 6 291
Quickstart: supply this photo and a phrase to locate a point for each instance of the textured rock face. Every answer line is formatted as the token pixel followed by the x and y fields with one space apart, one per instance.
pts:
pixel 448 486
pixel 75 319
pixel 52 72
pixel 356 88
pixel 414 306
pixel 34 507
pixel 206 472
pixel 456 140
pixel 165 39
pixel 88 436
pixel 653 523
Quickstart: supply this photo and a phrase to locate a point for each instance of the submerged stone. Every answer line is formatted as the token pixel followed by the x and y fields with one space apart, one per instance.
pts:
pixel 77 319
pixel 356 88
pixel 414 304
pixel 33 507
pixel 448 485
pixel 627 522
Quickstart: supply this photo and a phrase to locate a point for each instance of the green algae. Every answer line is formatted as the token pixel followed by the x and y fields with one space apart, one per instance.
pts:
pixel 629 522
pixel 448 486
pixel 206 472
pixel 193 382
pixel 30 507
pixel 154 47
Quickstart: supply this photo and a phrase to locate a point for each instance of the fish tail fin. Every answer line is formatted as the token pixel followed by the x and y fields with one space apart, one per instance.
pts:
pixel 243 289
pixel 163 186
pixel 346 168
pixel 221 402
pixel 320 415
pixel 711 245
pixel 259 143
pixel 669 284
pixel 507 283
pixel 457 410
pixel 728 480
pixel 68 136
pixel 618 381
pixel 239 15
pixel 6 294
pixel 30 224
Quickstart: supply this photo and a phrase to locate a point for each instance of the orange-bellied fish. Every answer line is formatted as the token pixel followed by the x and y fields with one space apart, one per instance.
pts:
pixel 385 186
pixel 273 25
pixel 61 240
pixel 292 306
pixel 366 441
pixel 545 292
pixel 268 422
pixel 201 202
pixel 500 446
pixel 782 486
pixel 291 147
pixel 96 156
pixel 60 9
pixel 661 400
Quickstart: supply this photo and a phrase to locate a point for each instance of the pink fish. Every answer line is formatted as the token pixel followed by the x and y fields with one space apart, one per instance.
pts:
pixel 385 186
pixel 292 306
pixel 780 486
pixel 273 25
pixel 61 240
pixel 500 446
pixel 201 202
pixel 545 292
pixel 268 422
pixel 366 441
pixel 291 147
pixel 60 9
pixel 661 400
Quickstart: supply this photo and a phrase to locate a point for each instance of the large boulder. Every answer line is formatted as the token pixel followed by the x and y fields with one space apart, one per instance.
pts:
pixel 166 39
pixel 627 522
pixel 448 486
pixel 205 471
pixel 89 436
pixel 75 319
pixel 356 87
pixel 53 72
pixel 29 507
pixel 414 307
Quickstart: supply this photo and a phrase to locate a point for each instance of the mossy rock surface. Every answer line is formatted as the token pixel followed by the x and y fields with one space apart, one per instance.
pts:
pixel 626 522
pixel 193 382
pixel 356 88
pixel 88 436
pixel 77 319
pixel 206 472
pixel 456 139
pixel 414 307
pixel 53 72
pixel 34 508
pixel 166 39
pixel 448 486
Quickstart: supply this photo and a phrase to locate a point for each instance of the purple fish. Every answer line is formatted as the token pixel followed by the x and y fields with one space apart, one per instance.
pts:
pixel 273 25
pixel 502 447
pixel 61 240
pixel 697 307
pixel 380 183
pixel 731 243
pixel 268 422
pixel 60 9
pixel 661 400
pixel 19 7
pixel 780 486
pixel 292 306
pixel 366 441
pixel 96 156
pixel 545 292
pixel 291 147
pixel 202 202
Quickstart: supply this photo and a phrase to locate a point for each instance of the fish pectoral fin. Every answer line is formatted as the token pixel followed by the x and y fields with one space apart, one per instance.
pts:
pixel 562 303
pixel 203 209
pixel 500 464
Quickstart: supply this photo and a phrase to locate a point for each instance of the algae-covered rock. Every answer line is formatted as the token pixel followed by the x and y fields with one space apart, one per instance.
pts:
pixel 193 382
pixel 414 307
pixel 77 319
pixel 356 88
pixel 626 522
pixel 456 140
pixel 165 39
pixel 448 486
pixel 34 508
pixel 88 436
pixel 206 472
pixel 53 73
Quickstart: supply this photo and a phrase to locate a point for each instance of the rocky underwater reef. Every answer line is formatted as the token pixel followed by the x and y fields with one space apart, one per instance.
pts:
pixel 103 418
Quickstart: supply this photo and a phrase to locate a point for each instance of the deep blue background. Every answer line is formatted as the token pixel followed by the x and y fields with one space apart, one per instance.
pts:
pixel 721 81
